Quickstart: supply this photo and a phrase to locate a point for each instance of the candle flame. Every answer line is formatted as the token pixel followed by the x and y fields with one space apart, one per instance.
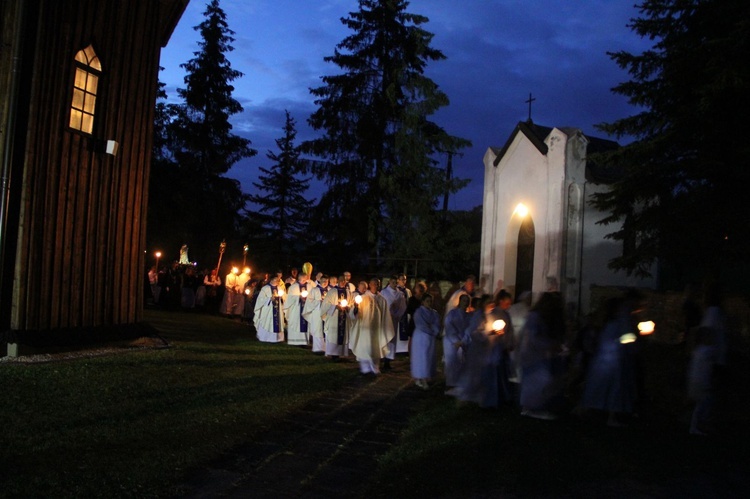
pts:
pixel 498 325
pixel 358 299
pixel 627 338
pixel 343 302
pixel 646 327
pixel 303 294
pixel 281 292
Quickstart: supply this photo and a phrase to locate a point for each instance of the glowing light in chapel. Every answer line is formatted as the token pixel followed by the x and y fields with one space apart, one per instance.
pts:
pixel 521 210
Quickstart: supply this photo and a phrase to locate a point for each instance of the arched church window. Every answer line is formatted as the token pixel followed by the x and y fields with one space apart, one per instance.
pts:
pixel 85 87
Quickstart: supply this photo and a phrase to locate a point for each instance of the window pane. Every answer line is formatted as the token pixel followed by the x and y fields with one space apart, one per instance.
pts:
pixel 94 63
pixel 91 83
pixel 80 78
pixel 75 119
pixel 89 101
pixel 88 123
pixel 77 99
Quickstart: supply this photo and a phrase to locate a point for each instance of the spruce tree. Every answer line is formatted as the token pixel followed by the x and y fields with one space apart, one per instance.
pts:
pixel 378 143
pixel 281 221
pixel 681 199
pixel 193 202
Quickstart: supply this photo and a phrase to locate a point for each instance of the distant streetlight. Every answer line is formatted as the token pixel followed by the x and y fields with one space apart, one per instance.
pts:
pixel 157 255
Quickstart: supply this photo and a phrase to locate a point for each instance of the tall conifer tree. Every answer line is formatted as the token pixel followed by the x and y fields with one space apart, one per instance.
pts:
pixel 378 142
pixel 681 200
pixel 282 218
pixel 195 202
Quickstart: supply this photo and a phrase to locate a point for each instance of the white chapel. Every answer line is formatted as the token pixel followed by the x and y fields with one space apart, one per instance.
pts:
pixel 539 232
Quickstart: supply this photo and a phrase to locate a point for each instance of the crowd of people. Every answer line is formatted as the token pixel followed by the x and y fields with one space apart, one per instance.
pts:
pixel 494 352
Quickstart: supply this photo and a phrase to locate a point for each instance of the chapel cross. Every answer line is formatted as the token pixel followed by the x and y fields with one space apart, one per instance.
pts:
pixel 529 101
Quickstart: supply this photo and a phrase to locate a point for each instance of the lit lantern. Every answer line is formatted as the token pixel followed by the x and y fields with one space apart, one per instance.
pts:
pixel 498 325
pixel 303 294
pixel 646 327
pixel 628 338
pixel 358 299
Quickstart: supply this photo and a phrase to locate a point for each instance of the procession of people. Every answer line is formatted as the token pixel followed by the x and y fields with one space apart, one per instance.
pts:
pixel 494 353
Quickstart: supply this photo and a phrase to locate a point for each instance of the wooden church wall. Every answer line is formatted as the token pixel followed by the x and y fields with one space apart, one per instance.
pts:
pixel 80 258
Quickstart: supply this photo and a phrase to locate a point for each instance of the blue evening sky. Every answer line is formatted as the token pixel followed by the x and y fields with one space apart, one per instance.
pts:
pixel 498 51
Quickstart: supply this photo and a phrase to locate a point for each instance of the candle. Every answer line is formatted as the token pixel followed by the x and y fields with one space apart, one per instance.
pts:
pixel 343 302
pixel 627 338
pixel 358 299
pixel 303 294
pixel 498 325
pixel 281 292
pixel 646 327
pixel 247 291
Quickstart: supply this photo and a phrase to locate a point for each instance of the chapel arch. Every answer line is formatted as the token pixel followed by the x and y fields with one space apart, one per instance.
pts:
pixel 519 257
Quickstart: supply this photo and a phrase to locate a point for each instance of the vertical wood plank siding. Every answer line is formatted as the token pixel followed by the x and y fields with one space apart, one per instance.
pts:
pixel 80 260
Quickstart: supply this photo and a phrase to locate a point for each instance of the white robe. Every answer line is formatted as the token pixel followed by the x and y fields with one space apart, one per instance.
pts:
pixel 426 330
pixel 370 333
pixel 396 305
pixel 330 313
pixel 268 329
pixel 312 313
pixel 297 326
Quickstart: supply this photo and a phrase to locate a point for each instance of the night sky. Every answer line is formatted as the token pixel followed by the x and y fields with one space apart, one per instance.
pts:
pixel 497 53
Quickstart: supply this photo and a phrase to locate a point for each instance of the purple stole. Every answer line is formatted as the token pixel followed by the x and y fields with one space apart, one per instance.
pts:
pixel 276 304
pixel 341 326
pixel 302 321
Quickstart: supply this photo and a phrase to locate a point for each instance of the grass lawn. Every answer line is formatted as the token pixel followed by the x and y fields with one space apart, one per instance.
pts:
pixel 133 423
pixel 464 451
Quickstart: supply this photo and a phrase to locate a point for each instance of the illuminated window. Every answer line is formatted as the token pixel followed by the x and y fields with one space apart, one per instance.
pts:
pixel 88 70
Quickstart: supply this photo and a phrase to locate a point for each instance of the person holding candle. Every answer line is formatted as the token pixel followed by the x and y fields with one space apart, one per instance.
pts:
pixel 426 330
pixel 312 313
pixel 334 310
pixel 230 290
pixel 471 385
pixel 240 298
pixel 611 379
pixel 296 324
pixel 369 337
pixel 269 312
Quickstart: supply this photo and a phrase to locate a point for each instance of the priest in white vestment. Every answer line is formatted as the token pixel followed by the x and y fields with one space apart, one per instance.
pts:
pixel 297 327
pixel 396 306
pixel 369 337
pixel 334 312
pixel 312 313
pixel 269 313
